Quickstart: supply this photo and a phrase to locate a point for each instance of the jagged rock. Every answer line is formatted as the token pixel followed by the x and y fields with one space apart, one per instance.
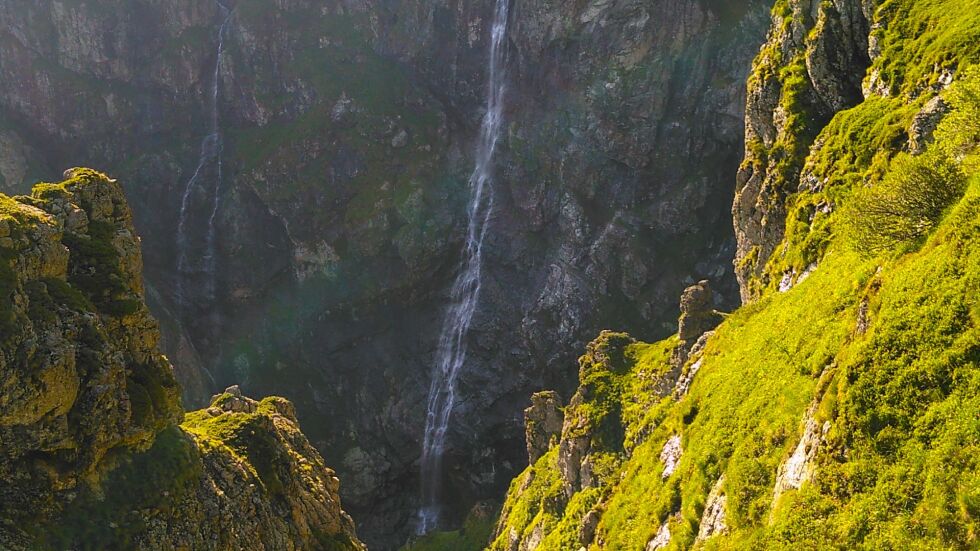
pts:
pixel 799 467
pixel 661 539
pixel 92 453
pixel 698 315
pixel 713 520
pixel 687 377
pixel 925 122
pixel 583 433
pixel 542 423
pixel 586 530
pixel 831 41
pixel 80 373
pixel 670 455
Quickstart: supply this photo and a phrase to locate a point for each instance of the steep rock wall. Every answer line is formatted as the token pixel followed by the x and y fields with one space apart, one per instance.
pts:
pixel 346 130
pixel 89 408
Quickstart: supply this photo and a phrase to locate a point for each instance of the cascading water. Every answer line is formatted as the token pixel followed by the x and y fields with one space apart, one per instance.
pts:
pixel 209 164
pixel 451 354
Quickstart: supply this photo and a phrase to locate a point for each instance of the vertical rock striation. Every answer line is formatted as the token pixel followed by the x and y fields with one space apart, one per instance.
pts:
pixel 347 128
pixel 812 66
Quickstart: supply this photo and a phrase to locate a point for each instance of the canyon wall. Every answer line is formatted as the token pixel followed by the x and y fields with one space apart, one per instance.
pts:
pixel 337 196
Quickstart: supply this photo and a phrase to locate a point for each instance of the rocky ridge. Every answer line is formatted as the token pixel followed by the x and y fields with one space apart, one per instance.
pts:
pixel 865 348
pixel 93 453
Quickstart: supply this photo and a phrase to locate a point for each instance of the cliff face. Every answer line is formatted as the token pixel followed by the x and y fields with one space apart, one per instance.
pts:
pixel 321 236
pixel 811 67
pixel 89 409
pixel 835 410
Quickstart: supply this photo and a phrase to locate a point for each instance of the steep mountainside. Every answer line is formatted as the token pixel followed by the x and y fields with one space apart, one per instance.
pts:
pixel 92 453
pixel 837 409
pixel 298 169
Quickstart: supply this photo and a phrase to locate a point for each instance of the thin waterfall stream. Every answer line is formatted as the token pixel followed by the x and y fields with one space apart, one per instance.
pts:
pixel 451 353
pixel 210 160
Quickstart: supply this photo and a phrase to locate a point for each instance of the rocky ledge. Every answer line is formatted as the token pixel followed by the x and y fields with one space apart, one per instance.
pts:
pixel 92 452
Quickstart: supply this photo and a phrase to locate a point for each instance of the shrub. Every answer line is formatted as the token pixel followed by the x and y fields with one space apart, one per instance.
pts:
pixel 906 205
pixel 959 132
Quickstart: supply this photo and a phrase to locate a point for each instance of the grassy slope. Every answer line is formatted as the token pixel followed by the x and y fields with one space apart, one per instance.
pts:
pixel 900 467
pixel 902 399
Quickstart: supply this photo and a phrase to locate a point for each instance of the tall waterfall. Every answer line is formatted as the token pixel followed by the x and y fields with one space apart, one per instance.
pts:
pixel 209 168
pixel 451 354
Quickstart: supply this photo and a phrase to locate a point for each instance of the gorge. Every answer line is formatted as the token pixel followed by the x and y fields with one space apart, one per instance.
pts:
pixel 409 218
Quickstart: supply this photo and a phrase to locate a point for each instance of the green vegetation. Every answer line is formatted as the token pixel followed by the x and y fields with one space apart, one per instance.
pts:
pixel 97 267
pixel 881 344
pixel 473 536
pixel 901 454
pixel 906 205
pixel 920 40
pixel 248 436
pixel 110 518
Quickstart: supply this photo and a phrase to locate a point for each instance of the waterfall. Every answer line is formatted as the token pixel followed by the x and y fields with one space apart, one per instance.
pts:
pixel 209 160
pixel 451 353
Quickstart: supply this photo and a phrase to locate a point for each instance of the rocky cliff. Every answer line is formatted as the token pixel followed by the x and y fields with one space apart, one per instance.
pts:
pixel 836 409
pixel 92 453
pixel 812 66
pixel 305 236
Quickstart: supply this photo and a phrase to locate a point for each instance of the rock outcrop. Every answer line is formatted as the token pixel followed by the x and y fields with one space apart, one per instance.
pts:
pixel 80 373
pixel 542 423
pixel 588 431
pixel 92 450
pixel 812 66
pixel 714 519
pixel 698 315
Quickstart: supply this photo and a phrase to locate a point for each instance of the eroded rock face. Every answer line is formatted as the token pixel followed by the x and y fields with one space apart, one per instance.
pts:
pixel 925 122
pixel 92 453
pixel 584 433
pixel 542 423
pixel 670 455
pixel 661 539
pixel 800 467
pixel 266 484
pixel 714 519
pixel 698 317
pixel 346 131
pixel 80 373
pixel 811 67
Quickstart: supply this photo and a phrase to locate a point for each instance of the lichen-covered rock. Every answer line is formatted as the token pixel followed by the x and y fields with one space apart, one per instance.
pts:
pixel 80 373
pixel 542 423
pixel 590 427
pixel 90 449
pixel 811 67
